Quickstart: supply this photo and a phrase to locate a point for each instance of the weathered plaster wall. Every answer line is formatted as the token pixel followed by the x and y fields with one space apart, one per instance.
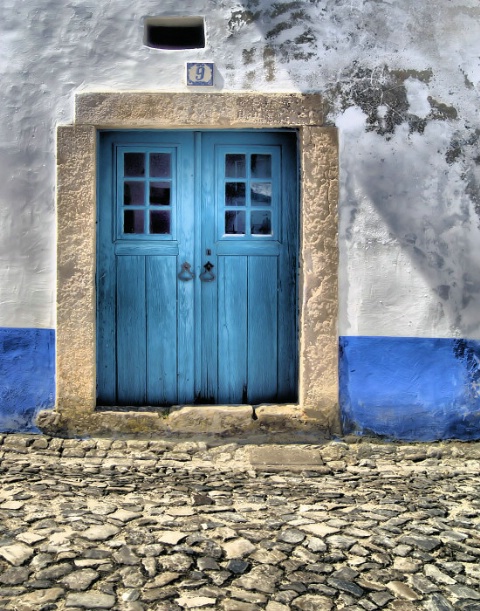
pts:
pixel 401 84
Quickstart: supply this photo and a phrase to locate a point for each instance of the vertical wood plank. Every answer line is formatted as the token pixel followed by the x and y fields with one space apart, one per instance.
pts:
pixel 105 280
pixel 161 289
pixel 131 331
pixel 186 339
pixel 106 343
pixel 185 216
pixel 262 329
pixel 288 273
pixel 232 329
pixel 206 364
pixel 199 250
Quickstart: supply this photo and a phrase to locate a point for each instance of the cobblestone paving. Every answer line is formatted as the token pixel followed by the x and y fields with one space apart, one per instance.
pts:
pixel 151 525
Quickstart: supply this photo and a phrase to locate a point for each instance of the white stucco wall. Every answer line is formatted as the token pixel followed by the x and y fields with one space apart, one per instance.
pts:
pixel 401 80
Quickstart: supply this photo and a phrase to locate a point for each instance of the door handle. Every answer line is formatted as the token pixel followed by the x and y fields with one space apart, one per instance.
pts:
pixel 206 275
pixel 186 273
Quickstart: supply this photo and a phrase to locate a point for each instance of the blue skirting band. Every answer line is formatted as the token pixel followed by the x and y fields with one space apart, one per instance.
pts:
pixel 419 389
pixel 410 388
pixel 27 376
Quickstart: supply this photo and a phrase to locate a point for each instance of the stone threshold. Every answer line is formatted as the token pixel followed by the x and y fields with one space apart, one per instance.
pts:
pixel 285 423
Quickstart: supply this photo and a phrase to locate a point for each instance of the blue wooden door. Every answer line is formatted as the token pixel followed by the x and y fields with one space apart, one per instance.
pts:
pixel 196 268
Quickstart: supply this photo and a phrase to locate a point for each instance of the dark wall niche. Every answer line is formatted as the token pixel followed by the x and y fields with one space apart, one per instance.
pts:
pixel 174 32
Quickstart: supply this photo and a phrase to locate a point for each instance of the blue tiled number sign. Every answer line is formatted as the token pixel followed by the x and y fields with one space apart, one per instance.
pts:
pixel 199 74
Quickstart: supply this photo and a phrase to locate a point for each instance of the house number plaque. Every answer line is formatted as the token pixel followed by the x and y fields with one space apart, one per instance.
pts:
pixel 199 74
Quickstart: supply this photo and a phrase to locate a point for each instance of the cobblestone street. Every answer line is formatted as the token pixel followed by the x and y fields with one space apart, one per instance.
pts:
pixel 167 526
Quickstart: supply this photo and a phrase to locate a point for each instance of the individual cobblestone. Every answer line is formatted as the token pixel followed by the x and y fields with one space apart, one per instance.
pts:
pixel 140 525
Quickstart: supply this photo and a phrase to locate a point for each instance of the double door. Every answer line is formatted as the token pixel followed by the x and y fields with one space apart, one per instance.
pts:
pixel 196 268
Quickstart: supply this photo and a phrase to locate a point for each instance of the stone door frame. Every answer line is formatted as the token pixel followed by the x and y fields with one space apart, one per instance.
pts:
pixel 75 410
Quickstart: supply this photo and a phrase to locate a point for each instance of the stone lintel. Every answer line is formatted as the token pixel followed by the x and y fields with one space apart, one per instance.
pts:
pixel 210 110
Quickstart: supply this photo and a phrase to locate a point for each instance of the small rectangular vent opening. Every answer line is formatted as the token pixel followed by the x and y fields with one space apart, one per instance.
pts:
pixel 175 33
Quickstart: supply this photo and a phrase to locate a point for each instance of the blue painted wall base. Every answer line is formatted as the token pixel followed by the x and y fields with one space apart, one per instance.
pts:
pixel 27 376
pixel 419 389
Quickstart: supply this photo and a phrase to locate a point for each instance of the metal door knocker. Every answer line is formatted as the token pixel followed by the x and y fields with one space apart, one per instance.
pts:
pixel 186 272
pixel 207 276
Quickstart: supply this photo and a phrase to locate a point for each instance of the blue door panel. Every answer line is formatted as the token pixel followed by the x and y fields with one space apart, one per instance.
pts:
pixel 145 215
pixel 256 351
pixel 196 268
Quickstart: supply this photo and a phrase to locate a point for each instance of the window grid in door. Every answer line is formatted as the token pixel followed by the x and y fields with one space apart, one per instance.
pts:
pixel 249 198
pixel 146 193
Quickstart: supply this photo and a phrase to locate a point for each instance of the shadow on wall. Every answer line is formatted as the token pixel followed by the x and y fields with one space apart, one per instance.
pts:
pixel 426 211
pixel 413 158
pixel 410 159
pixel 27 371
pixel 419 389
